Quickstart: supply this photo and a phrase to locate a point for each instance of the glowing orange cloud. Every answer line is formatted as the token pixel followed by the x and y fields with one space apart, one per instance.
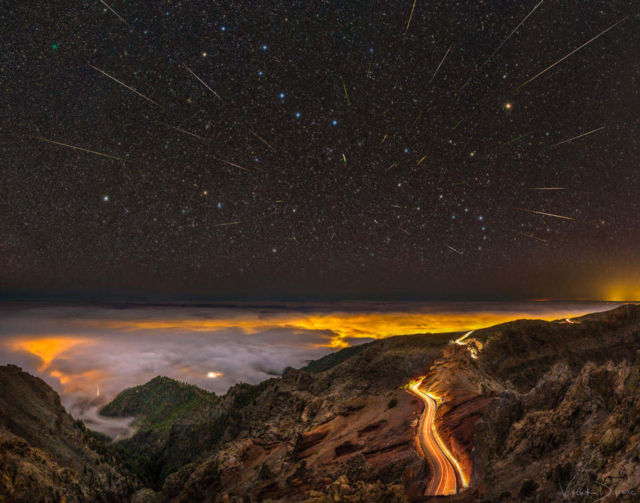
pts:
pixel 344 325
pixel 46 348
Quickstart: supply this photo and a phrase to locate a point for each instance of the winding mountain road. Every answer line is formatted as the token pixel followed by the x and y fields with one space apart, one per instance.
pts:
pixel 444 480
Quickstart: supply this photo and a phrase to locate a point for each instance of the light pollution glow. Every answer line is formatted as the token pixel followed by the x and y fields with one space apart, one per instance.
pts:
pixel 623 291
pixel 345 325
pixel 46 348
pixel 78 350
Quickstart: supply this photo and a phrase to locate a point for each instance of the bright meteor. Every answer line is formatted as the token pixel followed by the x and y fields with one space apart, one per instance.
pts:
pixel 115 13
pixel 125 85
pixel 512 32
pixel 571 53
pixel 203 82
pixel 74 147
pixel 231 164
pixel 226 224
pixel 184 131
pixel 441 61
pixel 409 22
pixel 261 139
pixel 545 214
pixel 453 249
pixel 579 136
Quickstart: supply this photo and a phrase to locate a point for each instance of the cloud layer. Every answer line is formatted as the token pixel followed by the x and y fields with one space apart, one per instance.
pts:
pixel 91 353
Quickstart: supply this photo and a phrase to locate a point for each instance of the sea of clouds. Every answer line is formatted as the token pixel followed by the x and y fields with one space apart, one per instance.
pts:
pixel 90 353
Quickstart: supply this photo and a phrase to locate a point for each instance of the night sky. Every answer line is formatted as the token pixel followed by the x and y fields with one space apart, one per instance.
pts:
pixel 304 149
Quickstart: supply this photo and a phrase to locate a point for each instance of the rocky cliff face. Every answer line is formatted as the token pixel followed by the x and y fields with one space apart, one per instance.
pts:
pixel 47 456
pixel 569 438
pixel 561 421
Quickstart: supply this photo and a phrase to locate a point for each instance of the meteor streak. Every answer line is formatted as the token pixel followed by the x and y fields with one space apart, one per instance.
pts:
pixel 225 225
pixel 572 52
pixel 442 61
pixel 512 32
pixel 546 214
pixel 261 139
pixel 452 248
pixel 409 22
pixel 579 136
pixel 203 83
pixel 184 131
pixel 345 91
pixel 547 188
pixel 114 12
pixel 74 147
pixel 531 236
pixel 231 164
pixel 499 47
pixel 125 85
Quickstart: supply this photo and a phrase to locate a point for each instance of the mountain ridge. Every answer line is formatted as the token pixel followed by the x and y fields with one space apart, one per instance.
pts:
pixel 556 396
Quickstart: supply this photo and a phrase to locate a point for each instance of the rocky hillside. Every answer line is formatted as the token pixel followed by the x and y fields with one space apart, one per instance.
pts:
pixel 566 426
pixel 345 414
pixel 45 455
pixel 523 394
pixel 533 411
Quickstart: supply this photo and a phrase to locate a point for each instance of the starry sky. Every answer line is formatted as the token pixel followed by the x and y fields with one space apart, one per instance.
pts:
pixel 294 149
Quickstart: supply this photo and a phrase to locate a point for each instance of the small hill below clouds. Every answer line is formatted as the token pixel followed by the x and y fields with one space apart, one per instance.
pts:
pixel 159 403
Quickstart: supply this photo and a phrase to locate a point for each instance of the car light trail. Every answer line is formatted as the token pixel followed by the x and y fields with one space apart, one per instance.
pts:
pixel 445 468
